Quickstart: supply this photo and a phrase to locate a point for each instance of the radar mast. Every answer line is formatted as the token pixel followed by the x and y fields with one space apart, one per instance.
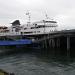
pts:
pixel 29 17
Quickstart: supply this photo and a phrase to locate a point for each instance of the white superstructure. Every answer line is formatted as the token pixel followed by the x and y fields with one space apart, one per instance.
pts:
pixel 39 27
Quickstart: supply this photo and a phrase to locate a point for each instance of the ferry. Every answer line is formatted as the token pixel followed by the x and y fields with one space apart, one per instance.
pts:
pixel 29 30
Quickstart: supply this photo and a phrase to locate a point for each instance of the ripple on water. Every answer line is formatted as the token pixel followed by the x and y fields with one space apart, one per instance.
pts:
pixel 31 64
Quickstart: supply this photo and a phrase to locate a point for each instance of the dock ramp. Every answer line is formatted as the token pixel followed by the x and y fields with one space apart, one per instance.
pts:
pixel 15 42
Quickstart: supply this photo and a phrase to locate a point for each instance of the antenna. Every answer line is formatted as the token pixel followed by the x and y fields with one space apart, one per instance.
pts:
pixel 46 16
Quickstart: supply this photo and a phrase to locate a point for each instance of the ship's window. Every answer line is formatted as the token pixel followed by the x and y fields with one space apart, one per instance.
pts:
pixel 12 30
pixel 27 32
pixel 25 28
pixel 38 31
pixel 34 31
pixel 41 26
pixel 51 21
pixel 21 32
pixel 35 24
pixel 33 27
pixel 27 24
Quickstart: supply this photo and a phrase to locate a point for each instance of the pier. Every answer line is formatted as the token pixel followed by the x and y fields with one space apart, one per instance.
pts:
pixel 59 40
pixel 56 41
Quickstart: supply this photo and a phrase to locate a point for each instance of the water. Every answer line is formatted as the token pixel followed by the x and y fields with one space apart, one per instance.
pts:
pixel 33 63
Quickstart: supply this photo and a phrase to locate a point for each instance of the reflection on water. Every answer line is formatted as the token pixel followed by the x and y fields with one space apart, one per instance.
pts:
pixel 35 63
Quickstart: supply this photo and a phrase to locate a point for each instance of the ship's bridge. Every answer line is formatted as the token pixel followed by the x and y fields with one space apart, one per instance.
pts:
pixel 49 23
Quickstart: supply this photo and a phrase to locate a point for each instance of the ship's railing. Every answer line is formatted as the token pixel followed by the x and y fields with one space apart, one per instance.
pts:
pixel 9 33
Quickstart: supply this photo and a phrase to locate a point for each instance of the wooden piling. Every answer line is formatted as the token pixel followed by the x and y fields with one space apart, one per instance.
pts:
pixel 68 43
pixel 49 42
pixel 58 43
pixel 68 46
pixel 45 44
pixel 53 43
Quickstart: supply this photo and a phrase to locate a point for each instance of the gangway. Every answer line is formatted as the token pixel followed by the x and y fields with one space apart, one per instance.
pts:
pixel 15 42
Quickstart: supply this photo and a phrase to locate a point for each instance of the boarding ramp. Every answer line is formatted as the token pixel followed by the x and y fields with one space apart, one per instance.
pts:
pixel 15 42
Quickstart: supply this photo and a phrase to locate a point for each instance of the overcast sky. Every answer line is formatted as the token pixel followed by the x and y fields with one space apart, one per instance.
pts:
pixel 63 11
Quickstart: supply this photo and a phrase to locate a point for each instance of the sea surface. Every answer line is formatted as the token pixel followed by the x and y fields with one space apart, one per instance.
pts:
pixel 34 62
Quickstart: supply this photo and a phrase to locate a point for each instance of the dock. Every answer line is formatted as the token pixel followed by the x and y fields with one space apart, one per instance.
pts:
pixel 63 40
pixel 57 40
